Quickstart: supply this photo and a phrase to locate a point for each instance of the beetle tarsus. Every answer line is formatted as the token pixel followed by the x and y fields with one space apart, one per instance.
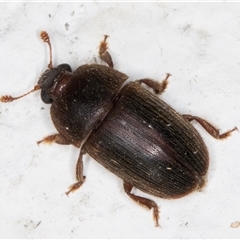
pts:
pixel 157 87
pixel 56 138
pixel 214 132
pixel 75 186
pixel 143 201
pixel 227 134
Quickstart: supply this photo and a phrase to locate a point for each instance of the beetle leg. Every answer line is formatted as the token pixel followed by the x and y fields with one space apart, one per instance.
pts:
pixel 157 87
pixel 209 127
pixel 57 138
pixel 103 53
pixel 143 201
pixel 79 174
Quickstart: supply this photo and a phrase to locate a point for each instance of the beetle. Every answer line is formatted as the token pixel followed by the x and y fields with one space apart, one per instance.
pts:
pixel 125 127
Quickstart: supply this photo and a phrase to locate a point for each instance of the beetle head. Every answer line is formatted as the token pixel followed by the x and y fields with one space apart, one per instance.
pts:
pixel 49 79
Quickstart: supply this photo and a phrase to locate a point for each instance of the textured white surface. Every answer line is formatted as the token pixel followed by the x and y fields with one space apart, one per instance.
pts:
pixel 198 43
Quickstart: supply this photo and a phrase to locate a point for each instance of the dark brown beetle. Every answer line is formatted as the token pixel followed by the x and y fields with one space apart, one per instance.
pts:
pixel 127 129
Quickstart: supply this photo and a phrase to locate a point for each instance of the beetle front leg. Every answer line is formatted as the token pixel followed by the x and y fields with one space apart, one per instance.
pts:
pixel 103 53
pixel 209 127
pixel 157 87
pixel 57 138
pixel 143 201
pixel 79 174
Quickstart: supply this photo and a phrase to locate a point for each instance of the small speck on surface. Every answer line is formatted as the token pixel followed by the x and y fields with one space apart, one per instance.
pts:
pixel 235 224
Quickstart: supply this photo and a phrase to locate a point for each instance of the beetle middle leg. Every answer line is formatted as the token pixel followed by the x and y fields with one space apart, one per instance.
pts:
pixel 79 174
pixel 157 87
pixel 214 132
pixel 143 201
pixel 57 138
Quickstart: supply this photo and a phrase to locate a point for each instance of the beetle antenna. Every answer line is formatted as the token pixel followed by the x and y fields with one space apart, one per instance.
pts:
pixel 8 98
pixel 45 37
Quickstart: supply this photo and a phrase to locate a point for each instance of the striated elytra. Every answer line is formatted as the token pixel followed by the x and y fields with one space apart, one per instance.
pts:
pixel 125 127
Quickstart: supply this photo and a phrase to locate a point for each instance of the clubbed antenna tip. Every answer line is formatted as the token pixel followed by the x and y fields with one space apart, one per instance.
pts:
pixel 45 37
pixel 9 98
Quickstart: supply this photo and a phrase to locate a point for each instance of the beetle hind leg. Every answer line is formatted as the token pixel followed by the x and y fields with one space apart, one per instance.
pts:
pixel 157 87
pixel 214 132
pixel 79 174
pixel 143 201
pixel 103 53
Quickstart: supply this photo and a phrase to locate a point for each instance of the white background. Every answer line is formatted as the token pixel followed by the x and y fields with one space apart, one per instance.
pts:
pixel 198 43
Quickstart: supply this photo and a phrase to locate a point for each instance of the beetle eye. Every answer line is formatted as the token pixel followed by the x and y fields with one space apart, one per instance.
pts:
pixel 45 97
pixel 65 67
